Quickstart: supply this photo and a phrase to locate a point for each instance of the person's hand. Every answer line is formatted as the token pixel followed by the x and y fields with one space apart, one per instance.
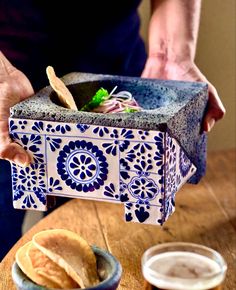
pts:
pixel 14 87
pixel 187 71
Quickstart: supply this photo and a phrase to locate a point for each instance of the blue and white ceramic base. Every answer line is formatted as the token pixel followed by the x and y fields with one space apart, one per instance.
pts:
pixel 142 169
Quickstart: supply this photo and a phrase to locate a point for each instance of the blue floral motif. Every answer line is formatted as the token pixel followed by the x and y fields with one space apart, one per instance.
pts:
pixel 128 217
pixel 38 126
pixel 41 196
pixel 110 191
pixel 127 134
pixel 29 143
pixel 130 156
pixel 143 134
pixel 41 186
pixel 129 205
pixel 12 128
pixel 32 177
pixel 18 189
pixel 169 206
pixel 14 176
pixel 123 145
pixel 54 184
pixel 144 162
pixel 31 139
pixel 123 186
pixel 142 147
pixel 124 197
pixel 29 202
pixel 160 142
pixel 50 128
pixel 143 188
pixel 111 148
pixel 18 193
pixel 58 128
pixel 159 158
pixel 54 143
pixel 170 151
pixel 114 134
pixel 22 124
pixel 82 166
pixel 184 163
pixel 161 173
pixel 141 214
pixel 141 162
pixel 101 131
pixel 138 149
pixel 27 177
pixel 63 128
pixel 82 127
pixel 123 169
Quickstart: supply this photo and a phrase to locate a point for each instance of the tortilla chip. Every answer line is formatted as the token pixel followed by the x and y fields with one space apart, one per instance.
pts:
pixel 26 266
pixel 46 268
pixel 71 252
pixel 60 88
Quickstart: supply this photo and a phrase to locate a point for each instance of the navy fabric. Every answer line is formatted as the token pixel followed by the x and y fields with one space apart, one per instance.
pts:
pixel 87 36
pixel 10 219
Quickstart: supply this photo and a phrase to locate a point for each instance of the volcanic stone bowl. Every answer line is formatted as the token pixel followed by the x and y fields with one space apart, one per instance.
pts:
pixel 139 159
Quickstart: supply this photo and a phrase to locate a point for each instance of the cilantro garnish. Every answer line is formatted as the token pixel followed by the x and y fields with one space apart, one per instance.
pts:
pixel 100 96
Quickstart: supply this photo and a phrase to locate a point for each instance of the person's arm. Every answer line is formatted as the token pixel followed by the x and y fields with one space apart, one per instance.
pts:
pixel 14 87
pixel 173 32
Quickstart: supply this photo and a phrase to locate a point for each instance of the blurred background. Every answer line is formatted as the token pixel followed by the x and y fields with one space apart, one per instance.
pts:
pixel 216 58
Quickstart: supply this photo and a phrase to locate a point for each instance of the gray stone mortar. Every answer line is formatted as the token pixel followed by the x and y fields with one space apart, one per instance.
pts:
pixel 174 106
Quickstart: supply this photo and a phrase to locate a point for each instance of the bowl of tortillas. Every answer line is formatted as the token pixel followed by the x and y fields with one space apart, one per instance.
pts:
pixel 62 259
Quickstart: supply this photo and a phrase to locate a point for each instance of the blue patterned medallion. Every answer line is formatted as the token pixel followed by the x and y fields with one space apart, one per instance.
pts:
pixel 143 188
pixel 82 166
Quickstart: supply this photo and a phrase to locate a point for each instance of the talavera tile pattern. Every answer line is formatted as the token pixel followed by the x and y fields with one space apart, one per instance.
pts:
pixel 141 168
pixel 139 159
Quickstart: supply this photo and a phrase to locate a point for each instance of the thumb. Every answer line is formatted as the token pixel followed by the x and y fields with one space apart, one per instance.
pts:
pixel 11 151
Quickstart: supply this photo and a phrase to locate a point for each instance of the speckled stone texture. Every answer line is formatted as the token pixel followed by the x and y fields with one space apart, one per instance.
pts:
pixel 173 106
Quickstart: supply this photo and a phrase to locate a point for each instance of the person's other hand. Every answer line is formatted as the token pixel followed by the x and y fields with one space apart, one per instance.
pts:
pixel 14 87
pixel 187 71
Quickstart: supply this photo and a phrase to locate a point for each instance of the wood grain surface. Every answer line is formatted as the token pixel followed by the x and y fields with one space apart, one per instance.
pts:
pixel 205 214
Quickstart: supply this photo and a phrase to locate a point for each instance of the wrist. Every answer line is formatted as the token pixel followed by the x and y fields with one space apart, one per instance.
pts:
pixel 167 51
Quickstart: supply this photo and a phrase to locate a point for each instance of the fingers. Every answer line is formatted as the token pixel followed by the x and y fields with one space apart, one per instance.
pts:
pixel 215 109
pixel 15 153
pixel 5 66
pixel 10 150
pixel 187 71
pixel 14 87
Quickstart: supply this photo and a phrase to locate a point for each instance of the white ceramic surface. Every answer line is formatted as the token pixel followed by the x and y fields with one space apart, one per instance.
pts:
pixel 142 169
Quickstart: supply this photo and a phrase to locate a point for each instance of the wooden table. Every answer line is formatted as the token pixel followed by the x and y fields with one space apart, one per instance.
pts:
pixel 205 214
